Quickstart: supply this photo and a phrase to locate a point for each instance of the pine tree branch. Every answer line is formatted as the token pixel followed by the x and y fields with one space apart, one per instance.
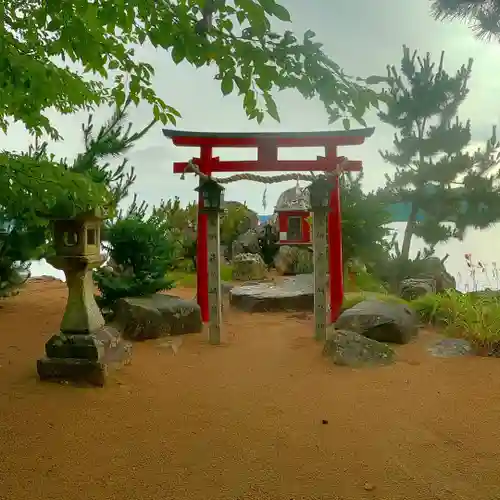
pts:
pixel 434 171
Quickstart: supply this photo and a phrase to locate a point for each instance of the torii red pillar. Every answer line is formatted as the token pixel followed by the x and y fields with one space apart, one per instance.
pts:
pixel 267 145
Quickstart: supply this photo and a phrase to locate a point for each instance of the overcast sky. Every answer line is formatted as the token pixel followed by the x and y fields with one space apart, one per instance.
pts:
pixel 363 37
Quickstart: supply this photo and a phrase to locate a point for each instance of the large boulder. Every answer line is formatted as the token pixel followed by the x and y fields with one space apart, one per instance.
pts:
pixel 291 260
pixel 348 348
pixel 159 315
pixel 248 267
pixel 413 288
pixel 380 321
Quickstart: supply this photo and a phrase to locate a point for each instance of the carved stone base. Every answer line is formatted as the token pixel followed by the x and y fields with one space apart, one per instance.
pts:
pixel 83 357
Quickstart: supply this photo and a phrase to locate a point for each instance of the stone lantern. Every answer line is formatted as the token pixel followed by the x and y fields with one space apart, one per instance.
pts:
pixel 84 346
pixel 212 194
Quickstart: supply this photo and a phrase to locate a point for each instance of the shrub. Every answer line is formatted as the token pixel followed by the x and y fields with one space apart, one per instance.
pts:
pixel 182 221
pixel 471 316
pixel 17 248
pixel 391 268
pixel 183 279
pixel 187 278
pixel 185 266
pixel 142 251
pixel 358 279
pixel 364 221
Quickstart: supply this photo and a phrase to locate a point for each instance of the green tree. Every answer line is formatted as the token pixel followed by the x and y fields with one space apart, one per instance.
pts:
pixel 364 222
pixel 182 221
pixel 434 173
pixel 142 250
pixel 236 220
pixel 69 55
pixel 29 238
pixel 483 16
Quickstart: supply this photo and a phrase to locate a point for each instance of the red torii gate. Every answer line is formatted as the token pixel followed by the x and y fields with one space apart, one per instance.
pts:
pixel 267 145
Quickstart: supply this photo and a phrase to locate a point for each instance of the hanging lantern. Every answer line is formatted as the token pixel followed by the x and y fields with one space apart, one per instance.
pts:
pixel 212 195
pixel 319 192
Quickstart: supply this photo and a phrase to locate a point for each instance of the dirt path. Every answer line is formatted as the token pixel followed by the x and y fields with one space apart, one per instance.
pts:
pixel 244 420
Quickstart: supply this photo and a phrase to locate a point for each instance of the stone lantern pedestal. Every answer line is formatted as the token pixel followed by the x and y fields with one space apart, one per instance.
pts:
pixel 85 346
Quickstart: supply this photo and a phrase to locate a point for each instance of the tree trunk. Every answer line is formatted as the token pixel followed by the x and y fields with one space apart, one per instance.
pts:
pixel 405 248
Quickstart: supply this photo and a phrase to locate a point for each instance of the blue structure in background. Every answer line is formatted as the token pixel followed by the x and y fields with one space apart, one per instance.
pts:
pixel 400 212
pixel 263 219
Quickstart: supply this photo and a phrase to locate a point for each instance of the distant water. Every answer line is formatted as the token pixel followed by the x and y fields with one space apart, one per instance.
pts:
pixel 43 268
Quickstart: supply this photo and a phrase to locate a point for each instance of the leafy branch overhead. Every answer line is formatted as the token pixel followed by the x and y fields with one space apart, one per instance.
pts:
pixel 45 185
pixel 46 44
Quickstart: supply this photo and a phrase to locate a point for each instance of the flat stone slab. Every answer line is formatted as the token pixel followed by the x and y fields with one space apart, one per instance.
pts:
pixel 289 294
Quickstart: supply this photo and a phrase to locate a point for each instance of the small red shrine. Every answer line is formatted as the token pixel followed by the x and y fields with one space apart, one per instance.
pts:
pixel 293 211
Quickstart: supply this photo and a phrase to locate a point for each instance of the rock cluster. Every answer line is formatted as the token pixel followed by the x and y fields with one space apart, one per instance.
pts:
pixel 361 335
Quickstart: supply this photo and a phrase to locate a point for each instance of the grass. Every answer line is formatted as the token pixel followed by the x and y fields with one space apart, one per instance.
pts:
pixel 187 279
pixel 353 298
pixel 473 317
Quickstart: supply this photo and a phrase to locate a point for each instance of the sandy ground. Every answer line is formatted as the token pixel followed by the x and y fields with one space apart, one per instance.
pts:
pixel 262 417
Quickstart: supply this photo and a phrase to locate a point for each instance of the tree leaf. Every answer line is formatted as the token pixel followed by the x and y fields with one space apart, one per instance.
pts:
pixel 227 84
pixel 178 53
pixel 271 107
pixel 249 101
pixel 281 13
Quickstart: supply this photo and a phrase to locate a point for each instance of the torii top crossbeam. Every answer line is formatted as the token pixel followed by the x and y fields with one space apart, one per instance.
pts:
pixel 267 144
